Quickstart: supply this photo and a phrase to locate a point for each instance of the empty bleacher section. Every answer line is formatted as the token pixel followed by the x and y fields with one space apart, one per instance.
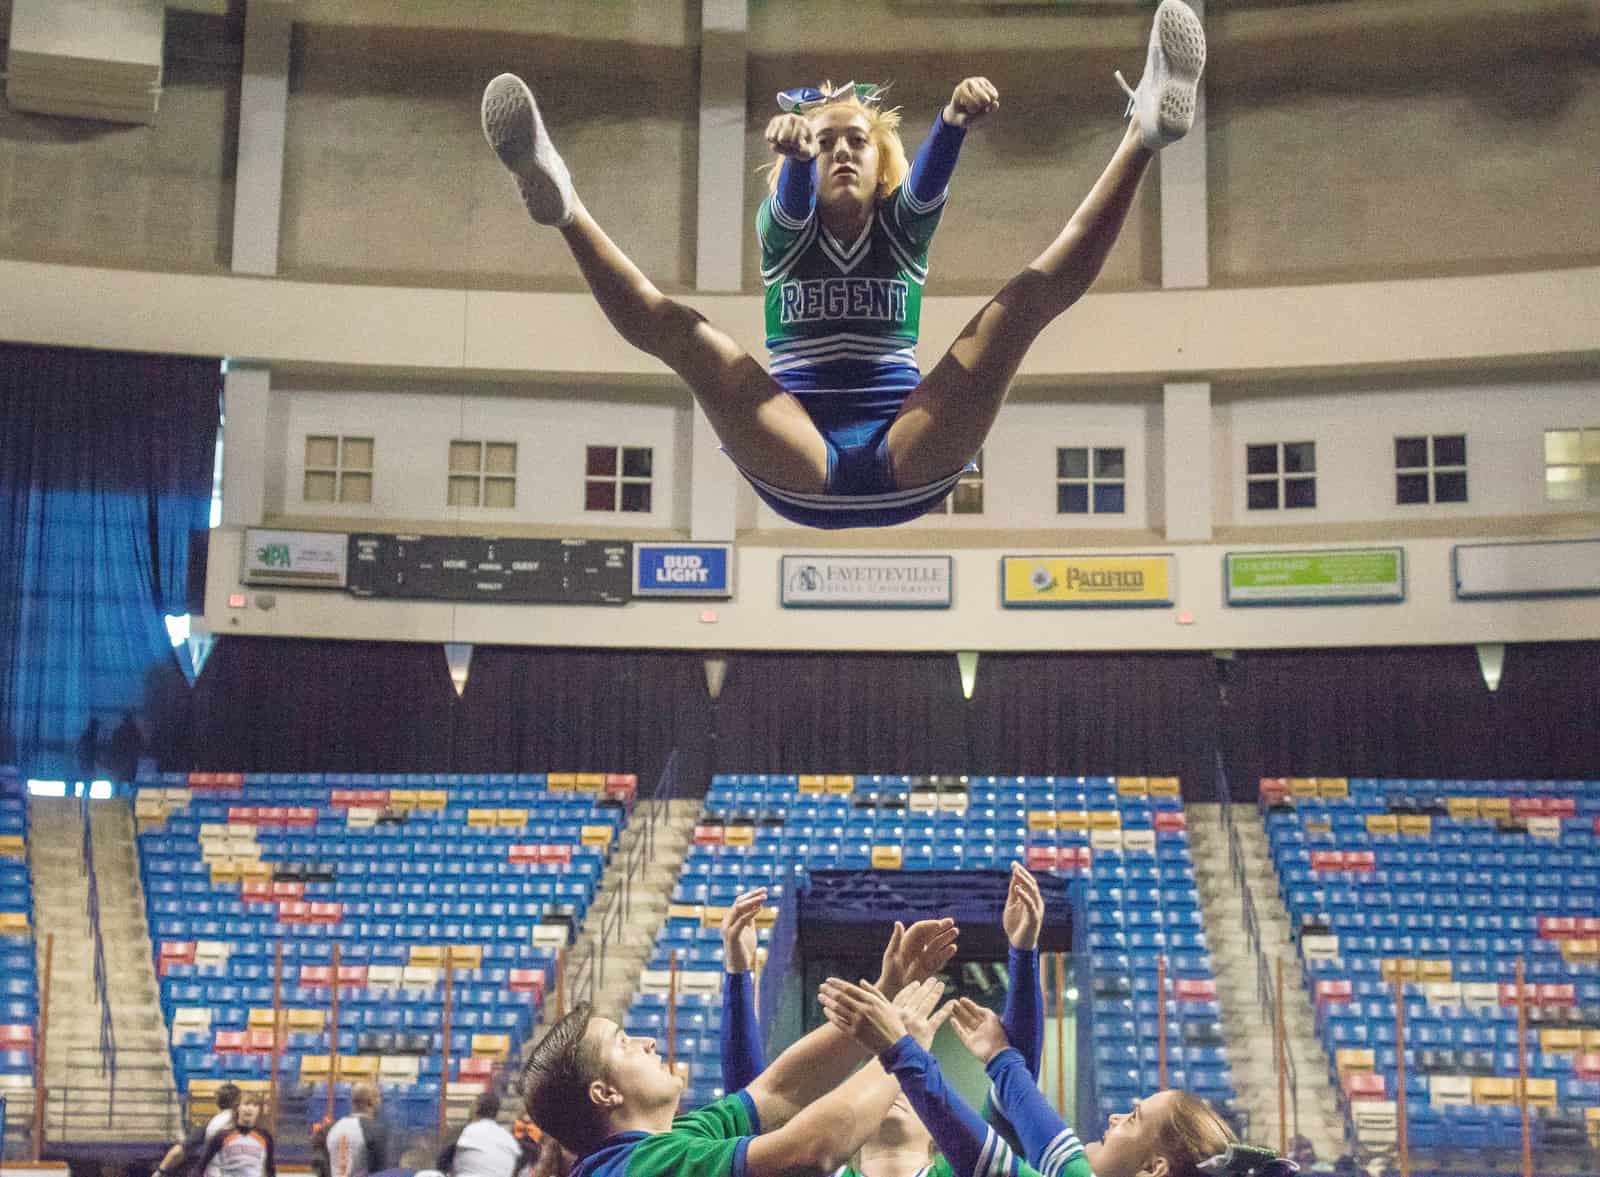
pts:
pixel 1125 836
pixel 1447 887
pixel 404 878
pixel 19 988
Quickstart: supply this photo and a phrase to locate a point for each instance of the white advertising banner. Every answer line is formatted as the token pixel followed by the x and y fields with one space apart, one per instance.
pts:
pixel 865 582
pixel 308 558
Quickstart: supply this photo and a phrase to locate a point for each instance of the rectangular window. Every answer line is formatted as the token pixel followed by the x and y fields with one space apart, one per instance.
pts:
pixel 482 474
pixel 617 478
pixel 1280 475
pixel 1091 480
pixel 337 469
pixel 967 497
pixel 1572 464
pixel 1430 469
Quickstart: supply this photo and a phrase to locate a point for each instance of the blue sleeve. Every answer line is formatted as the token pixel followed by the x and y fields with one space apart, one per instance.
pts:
pixel 973 1148
pixel 1047 1142
pixel 797 189
pixel 742 1057
pixel 934 165
pixel 1024 1016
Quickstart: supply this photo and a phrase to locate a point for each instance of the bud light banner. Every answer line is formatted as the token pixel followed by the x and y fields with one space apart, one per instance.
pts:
pixel 865 582
pixel 682 570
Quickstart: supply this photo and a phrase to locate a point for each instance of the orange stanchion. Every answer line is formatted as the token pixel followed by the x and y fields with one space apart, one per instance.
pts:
pixel 672 1007
pixel 333 1034
pixel 1061 1033
pixel 40 1047
pixel 1522 1071
pixel 449 1006
pixel 1402 1136
pixel 277 1033
pixel 1279 1048
pixel 561 983
pixel 1161 1021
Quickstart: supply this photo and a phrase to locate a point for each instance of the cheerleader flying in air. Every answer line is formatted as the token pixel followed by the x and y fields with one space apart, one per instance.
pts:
pixel 843 429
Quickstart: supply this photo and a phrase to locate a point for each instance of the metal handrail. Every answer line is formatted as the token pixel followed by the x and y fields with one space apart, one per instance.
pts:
pixel 108 1037
pixel 590 972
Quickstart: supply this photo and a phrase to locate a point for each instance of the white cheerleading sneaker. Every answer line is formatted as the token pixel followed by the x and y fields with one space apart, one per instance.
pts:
pixel 1164 103
pixel 512 125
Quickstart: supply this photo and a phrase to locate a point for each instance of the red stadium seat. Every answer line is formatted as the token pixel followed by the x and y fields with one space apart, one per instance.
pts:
pixel 343 799
pixel 16 1037
pixel 294 911
pixel 1195 990
pixel 475 1070
pixel 708 835
pixel 302 815
pixel 255 891
pixel 559 854
pixel 527 981
pixel 1327 860
pixel 1042 858
pixel 283 891
pixel 1335 992
pixel 242 814
pixel 1168 820
pixel 229 1042
pixel 523 852
pixel 272 815
pixel 324 913
pixel 1586 1066
pixel 258 1042
pixel 1554 927
pixel 1358 1086
pixel 316 976
pixel 352 976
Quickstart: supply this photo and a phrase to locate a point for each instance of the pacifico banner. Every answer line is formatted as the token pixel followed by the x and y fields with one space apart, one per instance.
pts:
pixel 1087 582
pixel 865 582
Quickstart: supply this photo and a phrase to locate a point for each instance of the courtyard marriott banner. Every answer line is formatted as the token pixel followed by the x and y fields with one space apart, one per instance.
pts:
pixel 1350 576
pixel 865 582
pixel 1087 582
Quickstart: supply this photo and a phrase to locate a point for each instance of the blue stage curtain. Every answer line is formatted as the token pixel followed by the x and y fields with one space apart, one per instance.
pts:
pixel 105 473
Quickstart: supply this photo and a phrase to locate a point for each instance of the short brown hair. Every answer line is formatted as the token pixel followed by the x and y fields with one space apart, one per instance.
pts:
pixel 555 1084
pixel 1194 1132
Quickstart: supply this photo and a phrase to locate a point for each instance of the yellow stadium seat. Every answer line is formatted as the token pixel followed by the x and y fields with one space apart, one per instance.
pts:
pixel 1583 951
pixel 839 782
pixel 711 917
pixel 1541 1093
pixel 511 818
pixel 432 799
pixel 1495 808
pixel 466 956
pixel 1360 1061
pixel 561 782
pixel 1463 808
pixel 1416 825
pixel 887 857
pixel 1333 788
pixel 398 1069
pixel 1491 1091
pixel 403 800
pixel 260 1019
pixel 427 955
pixel 1591 1041
pixel 482 817
pixel 358 1066
pixel 225 871
pixel 589 782
pixel 1072 819
pixel 1105 819
pixel 1560 1041
pixel 683 911
pixel 731 835
pixel 495 1046
pixel 1041 819
pixel 766 917
pixel 1303 786
pixel 1435 970
pixel 12 846
pixel 13 923
pixel 1382 823
pixel 1133 786
pixel 313 1069
pixel 306 1020
pixel 811 782
pixel 1164 786
pixel 1403 967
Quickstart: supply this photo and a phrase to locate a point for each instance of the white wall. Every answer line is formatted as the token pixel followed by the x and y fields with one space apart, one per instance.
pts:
pixel 412 432
pixel 1354 429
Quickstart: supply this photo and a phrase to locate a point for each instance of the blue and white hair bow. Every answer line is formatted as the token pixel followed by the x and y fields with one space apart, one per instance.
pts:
pixel 805 99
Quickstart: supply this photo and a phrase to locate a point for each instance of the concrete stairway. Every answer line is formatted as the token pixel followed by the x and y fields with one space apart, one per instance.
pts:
pixel 629 951
pixel 87 1102
pixel 1249 1034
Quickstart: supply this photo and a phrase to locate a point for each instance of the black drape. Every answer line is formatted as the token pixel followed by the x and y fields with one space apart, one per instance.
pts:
pixel 264 704
pixel 1418 712
pixel 105 475
pixel 283 704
